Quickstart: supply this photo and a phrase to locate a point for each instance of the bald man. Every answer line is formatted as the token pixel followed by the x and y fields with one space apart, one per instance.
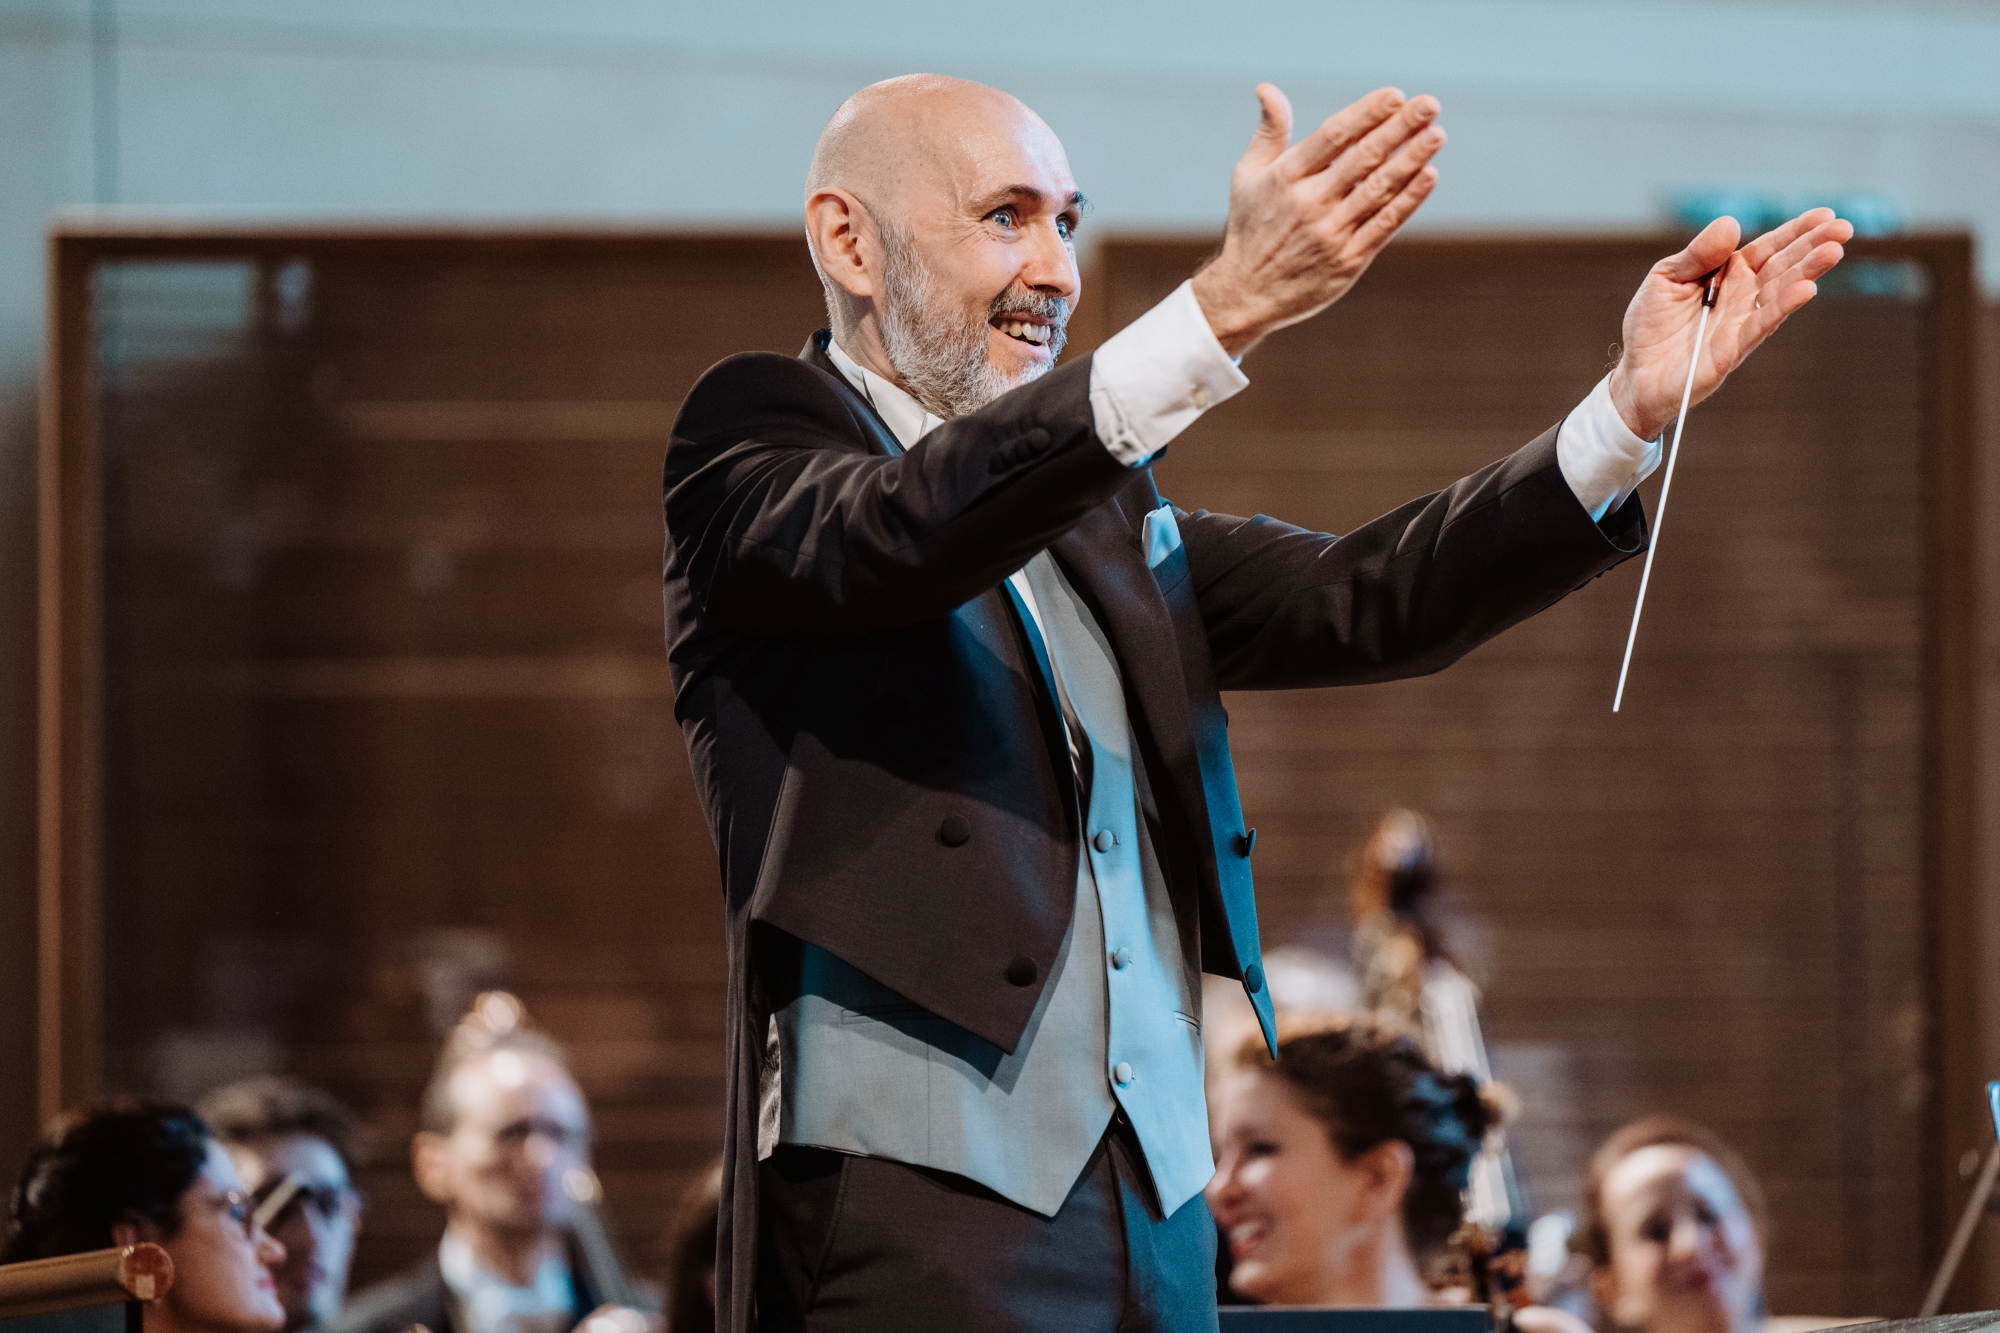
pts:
pixel 948 667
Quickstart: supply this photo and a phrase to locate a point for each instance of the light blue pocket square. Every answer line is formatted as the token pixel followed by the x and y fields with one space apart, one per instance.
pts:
pixel 1162 536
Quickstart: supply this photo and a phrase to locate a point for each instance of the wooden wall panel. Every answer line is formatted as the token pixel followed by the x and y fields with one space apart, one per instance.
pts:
pixel 1716 902
pixel 387 709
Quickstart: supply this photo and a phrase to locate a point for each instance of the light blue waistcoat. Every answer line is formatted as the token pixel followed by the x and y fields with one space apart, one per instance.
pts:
pixel 855 1067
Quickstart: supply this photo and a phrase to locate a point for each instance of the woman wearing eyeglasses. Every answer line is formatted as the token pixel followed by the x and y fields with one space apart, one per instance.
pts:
pixel 133 1171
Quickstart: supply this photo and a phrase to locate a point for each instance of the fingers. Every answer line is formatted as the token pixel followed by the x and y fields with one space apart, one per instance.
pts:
pixel 1759 252
pixel 1834 231
pixel 1387 182
pixel 1707 252
pixel 1409 125
pixel 1786 292
pixel 1380 229
pixel 1274 129
pixel 1345 127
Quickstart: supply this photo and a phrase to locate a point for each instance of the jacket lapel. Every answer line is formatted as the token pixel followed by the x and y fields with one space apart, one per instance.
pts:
pixel 879 435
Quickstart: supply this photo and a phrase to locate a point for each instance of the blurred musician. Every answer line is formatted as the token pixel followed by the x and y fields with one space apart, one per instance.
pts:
pixel 1343 1164
pixel 131 1171
pixel 503 1136
pixel 284 1135
pixel 1673 1226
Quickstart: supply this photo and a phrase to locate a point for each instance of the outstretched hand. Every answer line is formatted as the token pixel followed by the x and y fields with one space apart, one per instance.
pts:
pixel 1307 218
pixel 1764 283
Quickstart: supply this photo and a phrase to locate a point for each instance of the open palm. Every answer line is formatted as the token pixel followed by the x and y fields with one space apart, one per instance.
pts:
pixel 1762 285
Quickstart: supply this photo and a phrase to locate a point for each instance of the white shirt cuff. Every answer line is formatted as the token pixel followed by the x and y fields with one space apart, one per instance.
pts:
pixel 1601 459
pixel 1151 380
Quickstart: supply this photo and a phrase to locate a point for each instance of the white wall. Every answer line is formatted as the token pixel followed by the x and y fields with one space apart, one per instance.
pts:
pixel 1563 116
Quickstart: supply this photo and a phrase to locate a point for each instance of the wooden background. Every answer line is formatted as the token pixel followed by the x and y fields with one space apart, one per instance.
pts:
pixel 386 720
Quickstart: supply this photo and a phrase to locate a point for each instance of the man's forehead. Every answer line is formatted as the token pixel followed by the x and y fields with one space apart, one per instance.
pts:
pixel 509 1084
pixel 1004 156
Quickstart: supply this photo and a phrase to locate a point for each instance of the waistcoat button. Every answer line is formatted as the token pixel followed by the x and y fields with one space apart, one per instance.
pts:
pixel 1022 972
pixel 1253 978
pixel 1122 959
pixel 954 832
pixel 1105 840
pixel 1123 1073
pixel 1246 842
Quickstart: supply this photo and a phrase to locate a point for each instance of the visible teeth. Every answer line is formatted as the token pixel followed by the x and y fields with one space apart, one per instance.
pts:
pixel 1038 334
pixel 1245 1232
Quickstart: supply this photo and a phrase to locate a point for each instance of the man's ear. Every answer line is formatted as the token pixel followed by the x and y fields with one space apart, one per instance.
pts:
pixel 430 1164
pixel 843 235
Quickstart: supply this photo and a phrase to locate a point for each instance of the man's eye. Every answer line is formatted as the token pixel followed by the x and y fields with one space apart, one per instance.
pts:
pixel 1065 228
pixel 1003 216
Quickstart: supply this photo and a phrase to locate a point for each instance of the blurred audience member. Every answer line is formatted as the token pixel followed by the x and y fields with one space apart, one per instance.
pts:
pixel 1673 1225
pixel 1343 1164
pixel 278 1129
pixel 690 1255
pixel 133 1171
pixel 501 1123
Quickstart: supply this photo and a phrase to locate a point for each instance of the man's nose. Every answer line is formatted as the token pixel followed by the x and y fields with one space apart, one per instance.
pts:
pixel 1049 264
pixel 1685 1240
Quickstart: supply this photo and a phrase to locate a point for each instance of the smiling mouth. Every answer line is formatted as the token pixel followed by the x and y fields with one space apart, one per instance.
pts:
pixel 1244 1237
pixel 1027 331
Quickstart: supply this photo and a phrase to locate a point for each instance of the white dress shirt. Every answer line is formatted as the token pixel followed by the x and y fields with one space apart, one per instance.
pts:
pixel 490 1303
pixel 1152 379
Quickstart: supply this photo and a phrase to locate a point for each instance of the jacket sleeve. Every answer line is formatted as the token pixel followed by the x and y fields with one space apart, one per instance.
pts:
pixel 782 521
pixel 1407 594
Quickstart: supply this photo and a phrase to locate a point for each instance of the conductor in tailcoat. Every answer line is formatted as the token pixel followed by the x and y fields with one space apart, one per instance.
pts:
pixel 948 666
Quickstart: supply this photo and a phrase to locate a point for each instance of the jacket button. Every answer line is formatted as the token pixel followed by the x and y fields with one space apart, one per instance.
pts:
pixel 954 832
pixel 1246 842
pixel 1122 1072
pixel 1105 840
pixel 1253 978
pixel 1022 972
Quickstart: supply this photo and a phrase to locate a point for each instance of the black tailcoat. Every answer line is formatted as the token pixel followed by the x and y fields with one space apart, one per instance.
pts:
pixel 883 771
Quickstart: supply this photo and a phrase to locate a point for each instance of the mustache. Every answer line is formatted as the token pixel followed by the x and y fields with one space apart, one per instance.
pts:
pixel 1026 301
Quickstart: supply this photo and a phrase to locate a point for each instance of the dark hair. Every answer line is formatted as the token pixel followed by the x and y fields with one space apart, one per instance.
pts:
pixel 1371 1083
pixel 690 1253
pixel 437 1114
pixel 119 1161
pixel 1593 1237
pixel 272 1107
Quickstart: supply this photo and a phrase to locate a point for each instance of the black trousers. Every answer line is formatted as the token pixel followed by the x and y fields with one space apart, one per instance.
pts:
pixel 861 1243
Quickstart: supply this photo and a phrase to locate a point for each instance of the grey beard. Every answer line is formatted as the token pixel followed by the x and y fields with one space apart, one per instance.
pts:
pixel 940 352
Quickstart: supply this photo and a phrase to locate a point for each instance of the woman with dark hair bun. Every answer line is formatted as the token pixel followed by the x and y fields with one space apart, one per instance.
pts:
pixel 131 1171
pixel 1343 1164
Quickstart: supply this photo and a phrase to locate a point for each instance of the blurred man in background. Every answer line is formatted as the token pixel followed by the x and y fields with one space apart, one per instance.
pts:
pixel 278 1130
pixel 502 1123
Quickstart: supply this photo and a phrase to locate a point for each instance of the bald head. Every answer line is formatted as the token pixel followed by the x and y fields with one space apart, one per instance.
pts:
pixel 923 132
pixel 941 214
